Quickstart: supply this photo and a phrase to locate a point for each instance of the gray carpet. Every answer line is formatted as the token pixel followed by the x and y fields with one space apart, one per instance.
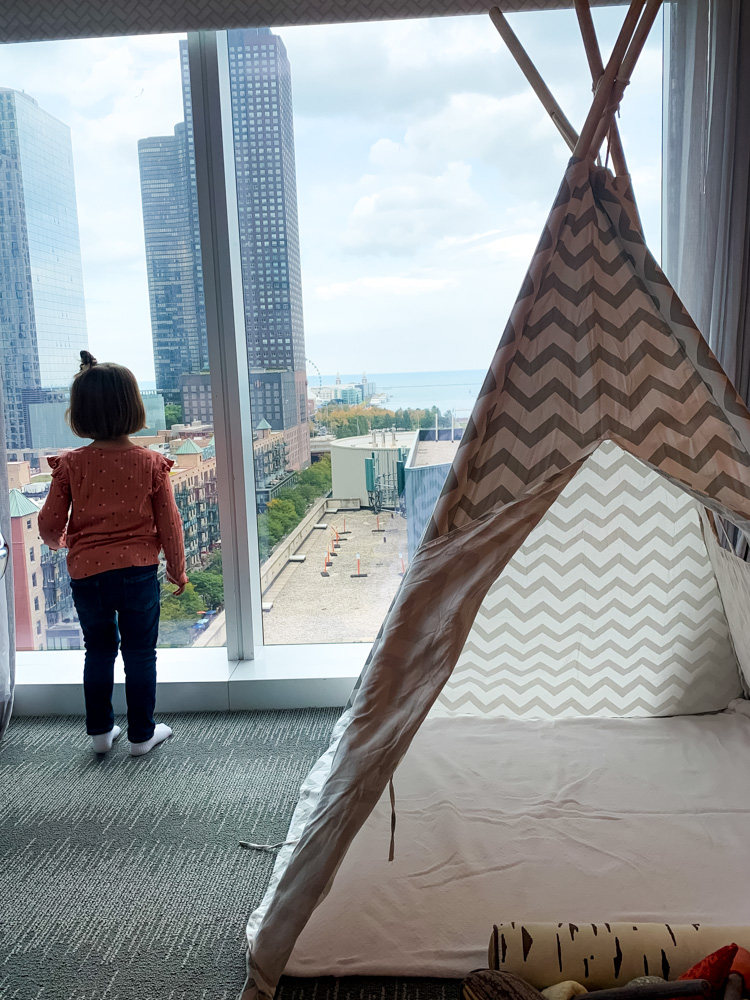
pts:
pixel 122 879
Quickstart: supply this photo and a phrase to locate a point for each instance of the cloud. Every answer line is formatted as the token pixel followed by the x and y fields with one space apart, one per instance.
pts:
pixel 394 68
pixel 110 92
pixel 404 67
pixel 425 171
pixel 386 285
pixel 401 214
pixel 451 174
pixel 494 244
pixel 503 132
pixel 520 246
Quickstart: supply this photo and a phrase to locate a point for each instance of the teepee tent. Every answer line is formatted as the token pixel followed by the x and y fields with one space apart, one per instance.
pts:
pixel 569 570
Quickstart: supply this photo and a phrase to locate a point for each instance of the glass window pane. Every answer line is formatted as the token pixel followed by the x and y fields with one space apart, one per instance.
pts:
pixel 410 202
pixel 99 243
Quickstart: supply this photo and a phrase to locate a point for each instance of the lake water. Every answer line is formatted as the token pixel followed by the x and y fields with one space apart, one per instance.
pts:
pixel 455 391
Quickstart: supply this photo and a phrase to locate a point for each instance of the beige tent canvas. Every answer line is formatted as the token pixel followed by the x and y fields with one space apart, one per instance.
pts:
pixel 557 687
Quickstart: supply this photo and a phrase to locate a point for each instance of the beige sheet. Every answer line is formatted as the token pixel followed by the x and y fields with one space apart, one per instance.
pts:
pixel 588 820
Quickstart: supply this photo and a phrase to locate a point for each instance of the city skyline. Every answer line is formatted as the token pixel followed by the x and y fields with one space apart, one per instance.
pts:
pixel 42 306
pixel 175 283
pixel 263 133
pixel 260 83
pixel 420 203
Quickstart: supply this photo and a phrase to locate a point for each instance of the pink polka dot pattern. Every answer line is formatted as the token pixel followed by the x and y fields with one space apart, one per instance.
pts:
pixel 86 511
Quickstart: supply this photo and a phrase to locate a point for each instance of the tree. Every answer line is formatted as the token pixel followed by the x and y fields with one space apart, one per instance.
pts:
pixel 264 537
pixel 403 420
pixel 183 608
pixel 172 414
pixel 341 420
pixel 283 513
pixel 214 563
pixel 275 528
pixel 307 492
pixel 297 500
pixel 317 476
pixel 210 586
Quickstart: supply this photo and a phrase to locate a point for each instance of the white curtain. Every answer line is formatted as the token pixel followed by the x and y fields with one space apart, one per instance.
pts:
pixel 706 197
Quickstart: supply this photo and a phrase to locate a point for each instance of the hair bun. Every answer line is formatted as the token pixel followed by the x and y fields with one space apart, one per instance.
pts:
pixel 87 360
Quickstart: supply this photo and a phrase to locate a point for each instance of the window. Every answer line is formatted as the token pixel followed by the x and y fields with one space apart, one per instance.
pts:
pixel 407 220
pixel 420 191
pixel 74 224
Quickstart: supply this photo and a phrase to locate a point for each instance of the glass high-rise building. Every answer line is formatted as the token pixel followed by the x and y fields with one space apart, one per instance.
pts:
pixel 175 282
pixel 262 120
pixel 42 308
pixel 263 124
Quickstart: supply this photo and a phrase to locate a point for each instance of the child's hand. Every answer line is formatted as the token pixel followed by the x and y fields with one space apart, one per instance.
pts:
pixel 180 584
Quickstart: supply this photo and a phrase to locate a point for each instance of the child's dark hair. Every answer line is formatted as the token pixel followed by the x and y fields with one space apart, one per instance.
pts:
pixel 105 401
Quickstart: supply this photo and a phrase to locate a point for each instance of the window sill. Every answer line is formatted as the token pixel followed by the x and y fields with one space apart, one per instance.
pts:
pixel 201 680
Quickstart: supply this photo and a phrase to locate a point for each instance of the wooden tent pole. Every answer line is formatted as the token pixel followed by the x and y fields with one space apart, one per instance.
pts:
pixel 625 70
pixel 603 94
pixel 531 73
pixel 594 56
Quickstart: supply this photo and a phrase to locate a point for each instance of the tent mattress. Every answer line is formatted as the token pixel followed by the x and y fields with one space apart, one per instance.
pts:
pixel 584 820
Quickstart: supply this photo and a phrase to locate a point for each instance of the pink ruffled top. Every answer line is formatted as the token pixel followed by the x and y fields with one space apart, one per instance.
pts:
pixel 112 509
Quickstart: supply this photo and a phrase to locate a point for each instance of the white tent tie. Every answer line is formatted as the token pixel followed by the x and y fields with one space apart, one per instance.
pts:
pixel 267 847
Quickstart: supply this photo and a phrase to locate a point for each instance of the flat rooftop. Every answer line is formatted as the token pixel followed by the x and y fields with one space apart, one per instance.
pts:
pixel 404 439
pixel 434 453
pixel 308 607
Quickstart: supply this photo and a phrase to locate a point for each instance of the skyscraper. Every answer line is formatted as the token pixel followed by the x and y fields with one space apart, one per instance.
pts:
pixel 261 95
pixel 263 124
pixel 42 309
pixel 175 282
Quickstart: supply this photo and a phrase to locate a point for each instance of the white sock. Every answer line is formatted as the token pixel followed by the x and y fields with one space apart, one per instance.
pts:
pixel 161 733
pixel 103 742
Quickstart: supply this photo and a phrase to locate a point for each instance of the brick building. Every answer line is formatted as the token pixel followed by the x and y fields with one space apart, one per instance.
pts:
pixel 28 590
pixel 195 396
pixel 194 483
pixel 45 614
pixel 273 467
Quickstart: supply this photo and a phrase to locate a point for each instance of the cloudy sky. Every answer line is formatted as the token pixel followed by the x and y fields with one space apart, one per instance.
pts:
pixel 425 170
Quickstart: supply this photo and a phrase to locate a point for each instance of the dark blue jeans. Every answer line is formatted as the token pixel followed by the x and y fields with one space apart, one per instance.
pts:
pixel 119 610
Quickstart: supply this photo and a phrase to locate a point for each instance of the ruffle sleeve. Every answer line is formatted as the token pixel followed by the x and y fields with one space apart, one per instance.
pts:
pixel 162 465
pixel 59 469
pixel 53 517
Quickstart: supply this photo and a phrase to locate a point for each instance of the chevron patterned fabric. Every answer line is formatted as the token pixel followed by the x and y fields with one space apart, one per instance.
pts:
pixel 609 608
pixel 598 351
pixel 34 20
pixel 598 346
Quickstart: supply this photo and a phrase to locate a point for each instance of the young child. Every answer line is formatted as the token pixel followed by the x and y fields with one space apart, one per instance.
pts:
pixel 111 505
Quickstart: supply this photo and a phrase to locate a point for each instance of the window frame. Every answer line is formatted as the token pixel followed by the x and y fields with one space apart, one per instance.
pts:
pixel 246 674
pixel 208 68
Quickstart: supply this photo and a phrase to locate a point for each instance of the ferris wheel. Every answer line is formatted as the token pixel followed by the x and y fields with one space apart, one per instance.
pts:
pixel 313 365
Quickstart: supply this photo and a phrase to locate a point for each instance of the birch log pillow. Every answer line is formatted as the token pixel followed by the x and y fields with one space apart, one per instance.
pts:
pixel 601 956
